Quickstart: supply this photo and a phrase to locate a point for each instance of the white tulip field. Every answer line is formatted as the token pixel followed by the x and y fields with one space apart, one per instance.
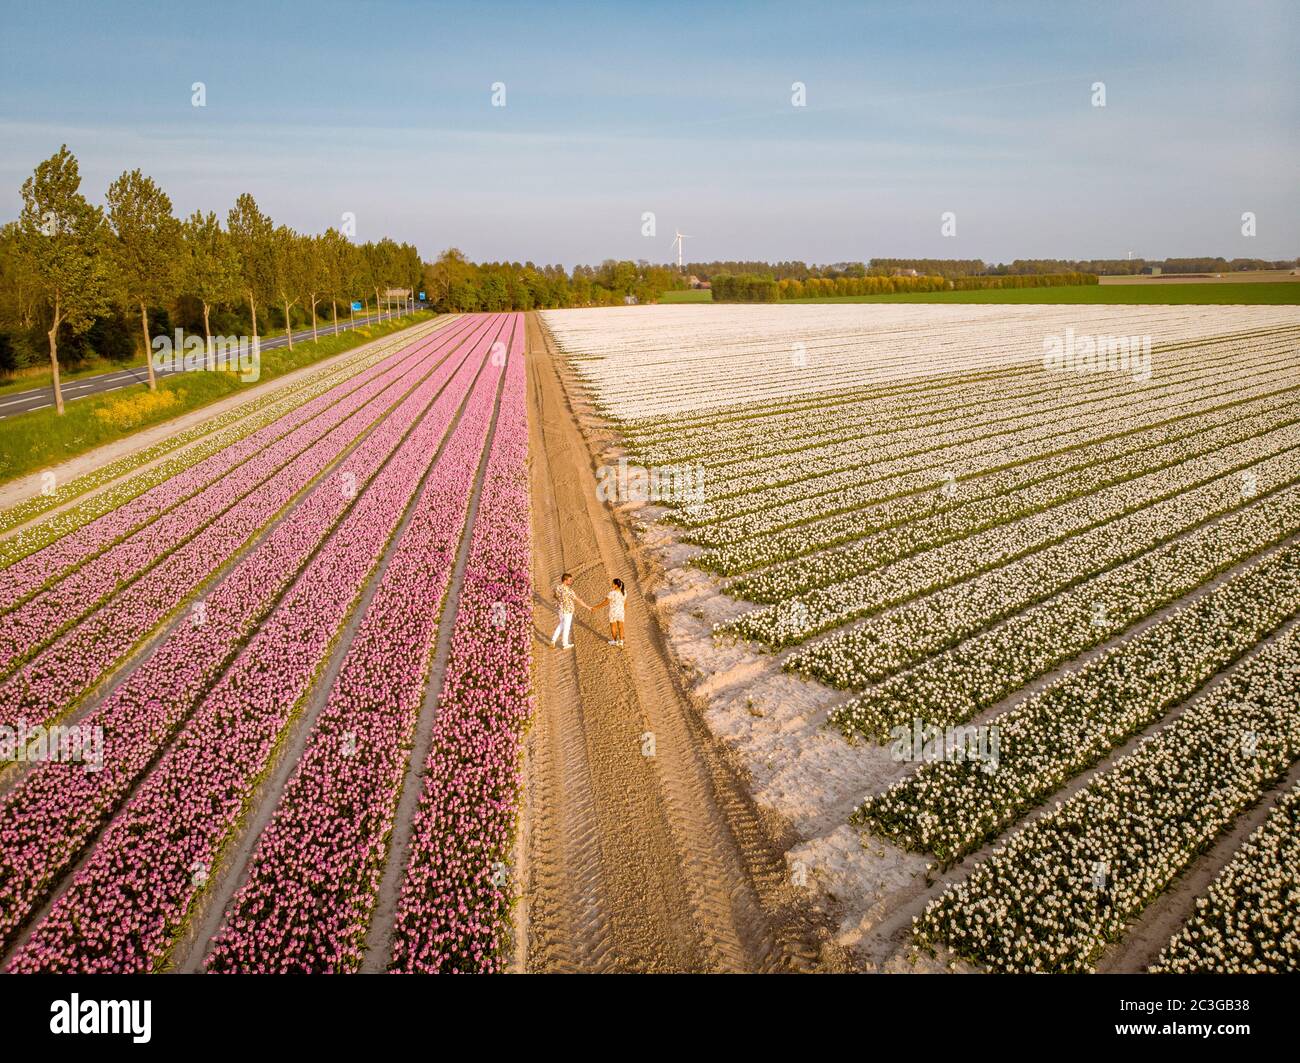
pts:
pixel 921 512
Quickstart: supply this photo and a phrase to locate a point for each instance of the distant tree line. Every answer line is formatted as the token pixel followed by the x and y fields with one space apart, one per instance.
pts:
pixel 1029 280
pixel 822 287
pixel 791 270
pixel 452 283
pixel 756 288
pixel 951 268
pixel 78 280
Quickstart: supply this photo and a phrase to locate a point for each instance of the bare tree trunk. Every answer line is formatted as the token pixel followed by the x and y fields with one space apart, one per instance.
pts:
pixel 148 349
pixel 313 319
pixel 207 336
pixel 288 329
pixel 54 360
pixel 334 310
pixel 257 340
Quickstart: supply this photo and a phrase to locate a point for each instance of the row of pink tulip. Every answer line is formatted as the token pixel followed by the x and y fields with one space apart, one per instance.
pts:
pixel 74 549
pixel 66 668
pixel 455 899
pixel 314 879
pixel 51 812
pixel 39 619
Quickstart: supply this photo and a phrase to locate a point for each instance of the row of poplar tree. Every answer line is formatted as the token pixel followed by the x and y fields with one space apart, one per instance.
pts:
pixel 67 262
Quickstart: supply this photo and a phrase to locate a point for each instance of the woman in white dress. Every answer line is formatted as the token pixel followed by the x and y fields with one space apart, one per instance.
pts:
pixel 616 599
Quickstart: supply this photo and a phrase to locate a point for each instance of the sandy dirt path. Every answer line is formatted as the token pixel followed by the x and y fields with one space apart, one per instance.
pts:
pixel 643 849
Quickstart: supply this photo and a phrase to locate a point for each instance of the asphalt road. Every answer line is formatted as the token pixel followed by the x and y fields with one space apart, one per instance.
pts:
pixel 39 398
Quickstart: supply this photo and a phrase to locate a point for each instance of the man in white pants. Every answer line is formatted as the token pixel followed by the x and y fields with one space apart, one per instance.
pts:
pixel 567 599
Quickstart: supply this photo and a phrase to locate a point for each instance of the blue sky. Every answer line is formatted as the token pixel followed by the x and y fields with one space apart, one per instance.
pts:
pixel 384 110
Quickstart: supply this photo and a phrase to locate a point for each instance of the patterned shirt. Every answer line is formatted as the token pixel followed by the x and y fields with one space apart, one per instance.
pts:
pixel 564 594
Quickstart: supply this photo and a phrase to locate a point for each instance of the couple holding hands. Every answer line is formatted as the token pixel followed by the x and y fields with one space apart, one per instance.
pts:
pixel 566 598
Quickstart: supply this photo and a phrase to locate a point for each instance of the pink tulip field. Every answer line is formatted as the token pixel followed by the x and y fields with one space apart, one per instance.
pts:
pixel 194 628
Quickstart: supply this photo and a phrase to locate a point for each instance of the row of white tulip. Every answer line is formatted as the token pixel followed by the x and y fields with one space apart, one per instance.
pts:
pixel 952 807
pixel 1249 920
pixel 211 436
pixel 853 456
pixel 902 540
pixel 1233 472
pixel 1059 890
pixel 957 684
pixel 761 482
pixel 642 362
pixel 798 423
pixel 795 424
pixel 901 637
pixel 770 508
pixel 951 402
pixel 857 511
pixel 824 532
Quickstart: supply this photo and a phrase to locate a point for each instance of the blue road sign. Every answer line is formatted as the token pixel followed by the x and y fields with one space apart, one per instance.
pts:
pixel 356 305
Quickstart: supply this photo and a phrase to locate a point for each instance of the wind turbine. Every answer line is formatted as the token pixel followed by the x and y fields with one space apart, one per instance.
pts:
pixel 680 240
